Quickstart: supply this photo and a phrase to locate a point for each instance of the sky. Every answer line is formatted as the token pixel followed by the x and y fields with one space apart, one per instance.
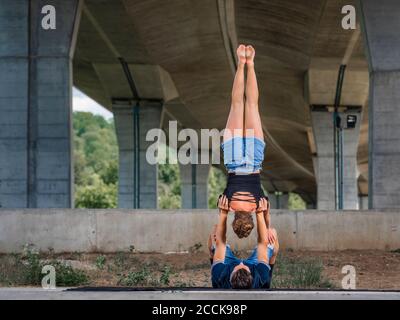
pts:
pixel 81 102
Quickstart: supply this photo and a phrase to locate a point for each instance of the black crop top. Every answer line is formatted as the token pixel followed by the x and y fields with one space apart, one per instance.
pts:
pixel 243 185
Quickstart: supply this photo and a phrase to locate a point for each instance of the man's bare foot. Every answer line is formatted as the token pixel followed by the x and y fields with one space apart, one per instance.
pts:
pixel 241 53
pixel 250 54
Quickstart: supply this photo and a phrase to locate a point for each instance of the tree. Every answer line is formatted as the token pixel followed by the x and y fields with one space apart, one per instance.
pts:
pixel 95 161
pixel 216 186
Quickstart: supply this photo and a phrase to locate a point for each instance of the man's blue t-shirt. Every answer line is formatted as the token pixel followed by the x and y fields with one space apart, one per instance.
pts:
pixel 221 273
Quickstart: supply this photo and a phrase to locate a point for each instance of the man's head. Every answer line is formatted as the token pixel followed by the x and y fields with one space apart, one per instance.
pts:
pixel 243 224
pixel 241 277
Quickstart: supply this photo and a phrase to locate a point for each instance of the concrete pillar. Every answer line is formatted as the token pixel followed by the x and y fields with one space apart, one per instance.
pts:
pixel 35 104
pixel 194 185
pixel 149 118
pixel 363 200
pixel 381 25
pixel 279 200
pixel 322 122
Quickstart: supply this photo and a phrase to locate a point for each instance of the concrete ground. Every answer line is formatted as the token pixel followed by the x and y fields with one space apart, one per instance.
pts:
pixel 197 294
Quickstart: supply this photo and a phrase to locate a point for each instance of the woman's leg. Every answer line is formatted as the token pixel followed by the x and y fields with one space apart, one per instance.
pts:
pixel 252 115
pixel 234 125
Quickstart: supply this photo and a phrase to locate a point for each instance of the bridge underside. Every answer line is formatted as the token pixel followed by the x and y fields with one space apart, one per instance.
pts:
pixel 178 58
pixel 190 47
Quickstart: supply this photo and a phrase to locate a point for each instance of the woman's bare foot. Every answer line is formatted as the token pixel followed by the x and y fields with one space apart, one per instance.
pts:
pixel 241 53
pixel 250 54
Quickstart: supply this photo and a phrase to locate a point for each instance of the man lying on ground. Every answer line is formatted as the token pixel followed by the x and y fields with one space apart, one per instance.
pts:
pixel 228 271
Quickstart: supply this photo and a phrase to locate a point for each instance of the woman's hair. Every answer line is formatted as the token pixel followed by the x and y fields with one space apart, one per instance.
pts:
pixel 242 224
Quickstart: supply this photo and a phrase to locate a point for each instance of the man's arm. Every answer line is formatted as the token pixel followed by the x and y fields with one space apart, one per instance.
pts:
pixel 262 238
pixel 267 218
pixel 220 245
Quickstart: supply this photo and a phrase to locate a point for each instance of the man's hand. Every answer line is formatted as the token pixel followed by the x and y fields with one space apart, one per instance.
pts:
pixel 262 205
pixel 223 204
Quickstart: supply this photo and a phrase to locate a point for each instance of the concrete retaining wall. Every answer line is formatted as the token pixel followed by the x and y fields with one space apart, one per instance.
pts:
pixel 65 230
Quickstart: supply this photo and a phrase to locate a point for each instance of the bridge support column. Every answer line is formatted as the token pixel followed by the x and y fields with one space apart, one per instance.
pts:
pixel 381 25
pixel 194 185
pixel 322 122
pixel 279 200
pixel 136 190
pixel 363 202
pixel 35 104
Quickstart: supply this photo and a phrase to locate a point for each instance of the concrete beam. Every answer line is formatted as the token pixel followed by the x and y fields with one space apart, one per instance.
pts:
pixel 381 25
pixel 35 104
pixel 178 230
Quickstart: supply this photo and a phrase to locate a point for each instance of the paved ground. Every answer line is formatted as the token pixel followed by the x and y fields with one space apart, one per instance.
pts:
pixel 63 294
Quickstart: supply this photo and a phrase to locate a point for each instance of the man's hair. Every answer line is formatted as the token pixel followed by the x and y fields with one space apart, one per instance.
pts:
pixel 242 224
pixel 241 279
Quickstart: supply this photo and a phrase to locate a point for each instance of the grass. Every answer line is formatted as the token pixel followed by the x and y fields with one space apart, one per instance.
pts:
pixel 165 275
pixel 293 273
pixel 145 277
pixel 136 278
pixel 100 262
pixel 26 269
pixel 137 270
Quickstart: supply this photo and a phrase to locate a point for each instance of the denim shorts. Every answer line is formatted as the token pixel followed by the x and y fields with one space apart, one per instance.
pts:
pixel 252 259
pixel 243 155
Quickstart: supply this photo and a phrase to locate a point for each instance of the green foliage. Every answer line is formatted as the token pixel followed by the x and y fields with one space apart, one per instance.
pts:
pixel 296 202
pixel 99 196
pixel 169 186
pixel 32 268
pixel 66 276
pixel 26 269
pixel 216 186
pixel 165 274
pixel 100 262
pixel 95 161
pixel 299 273
pixel 134 278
